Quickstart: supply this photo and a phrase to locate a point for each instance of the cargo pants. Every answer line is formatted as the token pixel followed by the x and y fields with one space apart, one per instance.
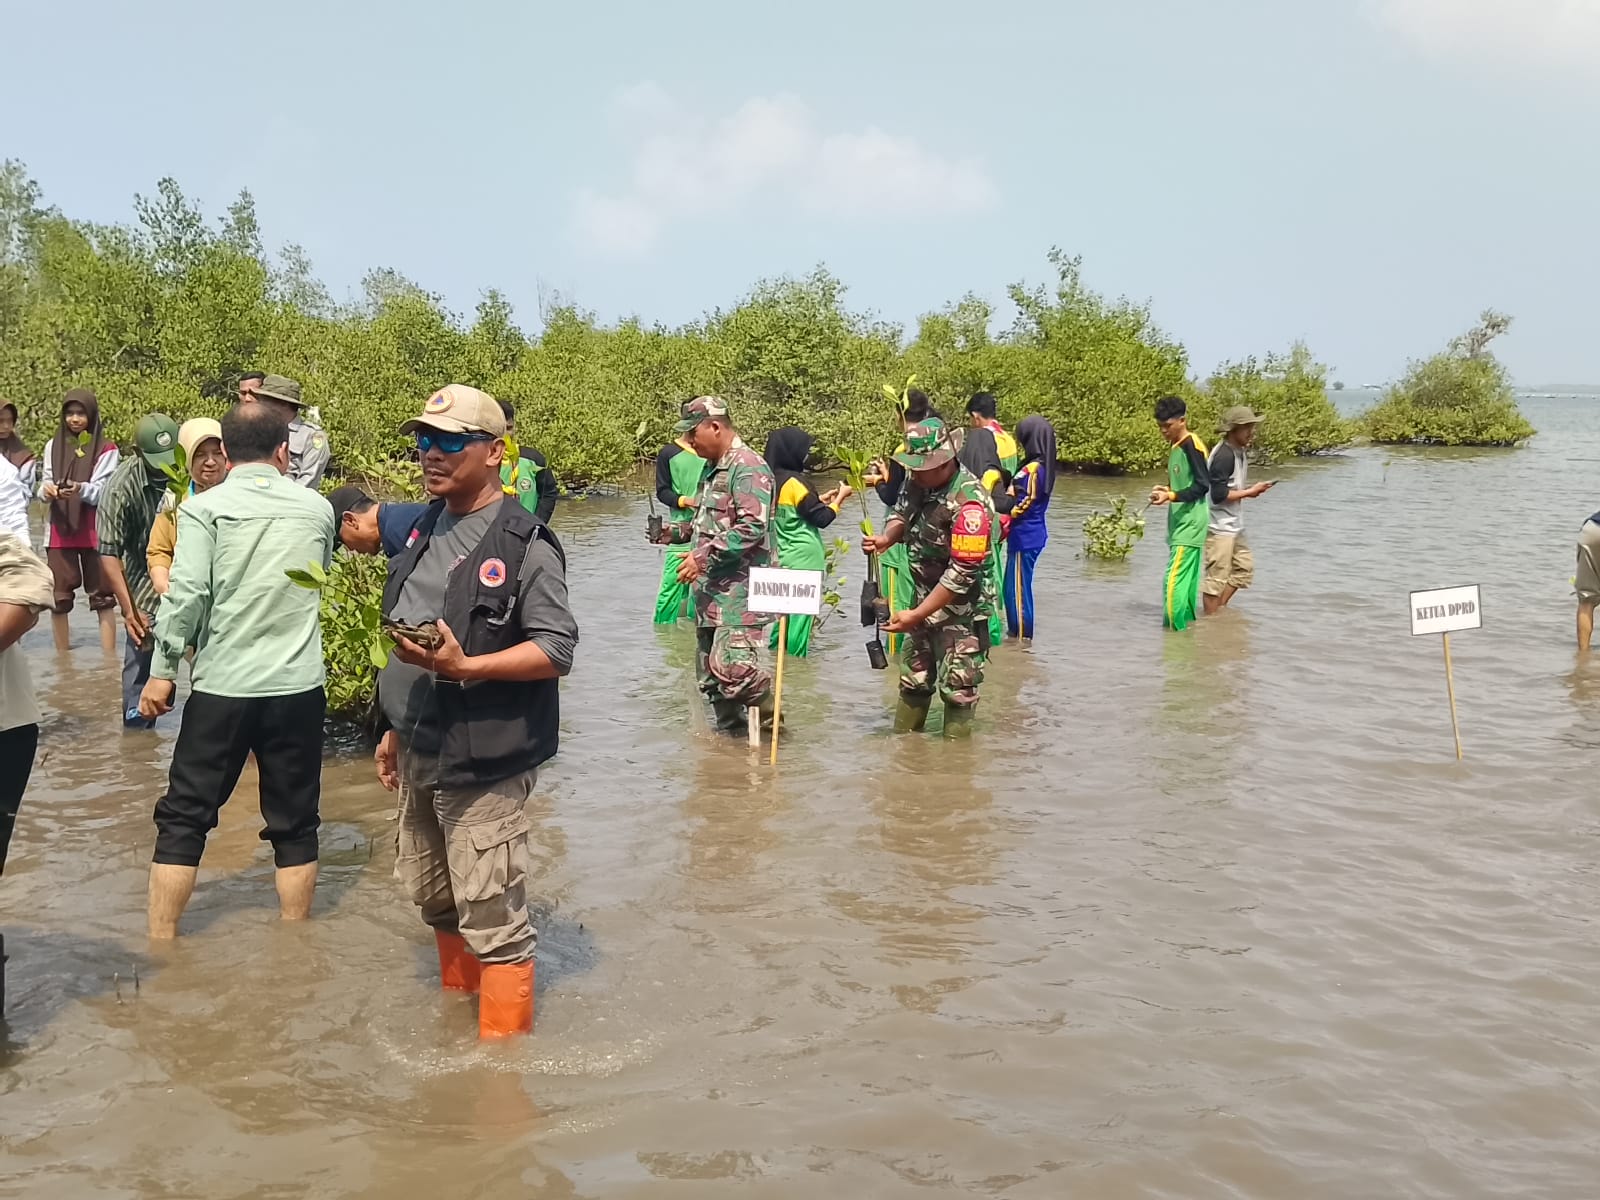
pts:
pixel 462 855
pixel 730 663
pixel 947 659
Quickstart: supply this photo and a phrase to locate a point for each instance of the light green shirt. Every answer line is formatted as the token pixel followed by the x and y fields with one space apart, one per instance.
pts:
pixel 255 633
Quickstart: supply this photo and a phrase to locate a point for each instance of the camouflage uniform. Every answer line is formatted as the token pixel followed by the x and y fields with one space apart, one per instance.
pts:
pixel 948 540
pixel 731 532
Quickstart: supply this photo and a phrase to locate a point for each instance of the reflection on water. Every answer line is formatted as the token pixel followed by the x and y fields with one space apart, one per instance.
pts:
pixel 1200 915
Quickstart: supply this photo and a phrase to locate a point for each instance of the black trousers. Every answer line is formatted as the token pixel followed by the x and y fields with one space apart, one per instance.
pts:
pixel 17 748
pixel 218 733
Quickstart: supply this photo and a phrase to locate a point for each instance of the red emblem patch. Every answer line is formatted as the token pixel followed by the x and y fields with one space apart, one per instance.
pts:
pixel 492 573
pixel 969 534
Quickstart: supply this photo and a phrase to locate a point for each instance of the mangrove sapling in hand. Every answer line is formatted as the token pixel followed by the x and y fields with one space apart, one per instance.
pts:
pixel 178 478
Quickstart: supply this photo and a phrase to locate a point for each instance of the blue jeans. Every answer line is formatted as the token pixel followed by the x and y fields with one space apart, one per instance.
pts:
pixel 1018 590
pixel 135 674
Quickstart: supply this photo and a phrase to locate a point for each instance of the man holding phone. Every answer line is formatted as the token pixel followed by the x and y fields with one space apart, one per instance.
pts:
pixel 1228 565
pixel 471 712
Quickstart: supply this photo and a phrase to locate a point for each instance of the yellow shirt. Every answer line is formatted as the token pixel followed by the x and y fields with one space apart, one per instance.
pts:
pixel 163 540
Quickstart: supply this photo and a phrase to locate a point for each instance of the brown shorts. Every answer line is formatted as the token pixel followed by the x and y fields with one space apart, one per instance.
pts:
pixel 1227 564
pixel 1588 578
pixel 72 569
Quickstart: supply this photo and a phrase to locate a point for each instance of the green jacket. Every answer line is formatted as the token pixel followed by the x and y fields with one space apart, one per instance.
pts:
pixel 255 632
pixel 1188 515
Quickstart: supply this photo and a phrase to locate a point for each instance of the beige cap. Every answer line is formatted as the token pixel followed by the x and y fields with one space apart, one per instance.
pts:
pixel 196 430
pixel 460 409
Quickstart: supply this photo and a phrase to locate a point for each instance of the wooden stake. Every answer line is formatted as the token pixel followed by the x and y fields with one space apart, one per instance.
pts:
pixel 777 691
pixel 752 719
pixel 1450 687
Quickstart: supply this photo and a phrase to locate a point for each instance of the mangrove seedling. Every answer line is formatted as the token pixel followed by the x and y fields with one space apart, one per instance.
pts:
pixel 354 644
pixel 833 579
pixel 1111 535
pixel 856 464
pixel 178 480
pixel 901 399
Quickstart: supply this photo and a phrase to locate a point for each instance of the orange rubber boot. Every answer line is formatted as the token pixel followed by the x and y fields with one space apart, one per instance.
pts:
pixel 459 971
pixel 505 1000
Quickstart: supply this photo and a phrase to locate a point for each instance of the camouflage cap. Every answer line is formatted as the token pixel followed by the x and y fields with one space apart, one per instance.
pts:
pixel 927 446
pixel 279 387
pixel 702 408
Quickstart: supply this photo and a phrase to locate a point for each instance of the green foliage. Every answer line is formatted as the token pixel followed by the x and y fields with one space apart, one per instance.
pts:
pixel 1111 535
pixel 1094 367
pixel 164 312
pixel 856 464
pixel 834 580
pixel 354 646
pixel 1289 392
pixel 177 477
pixel 1459 397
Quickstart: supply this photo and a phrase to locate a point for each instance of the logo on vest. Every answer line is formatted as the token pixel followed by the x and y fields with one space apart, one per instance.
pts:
pixel 492 573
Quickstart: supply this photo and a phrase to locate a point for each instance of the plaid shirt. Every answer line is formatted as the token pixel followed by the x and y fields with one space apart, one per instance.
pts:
pixel 128 508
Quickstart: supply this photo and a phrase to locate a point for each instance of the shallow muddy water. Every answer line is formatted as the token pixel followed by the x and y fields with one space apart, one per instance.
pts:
pixel 1203 915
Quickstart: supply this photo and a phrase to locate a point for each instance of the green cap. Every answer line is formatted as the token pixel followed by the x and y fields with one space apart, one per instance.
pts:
pixel 279 387
pixel 1236 416
pixel 927 446
pixel 156 435
pixel 702 408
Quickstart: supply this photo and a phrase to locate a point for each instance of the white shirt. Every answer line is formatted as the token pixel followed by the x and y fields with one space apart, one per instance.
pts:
pixel 104 466
pixel 24 580
pixel 16 489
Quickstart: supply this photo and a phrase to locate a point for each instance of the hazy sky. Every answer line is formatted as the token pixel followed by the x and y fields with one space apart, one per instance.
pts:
pixel 1364 174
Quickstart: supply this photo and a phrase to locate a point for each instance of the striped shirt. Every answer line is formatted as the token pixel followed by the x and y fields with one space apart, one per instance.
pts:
pixel 128 508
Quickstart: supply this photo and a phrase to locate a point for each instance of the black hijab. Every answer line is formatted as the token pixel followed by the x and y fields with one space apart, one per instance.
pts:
pixel 787 451
pixel 70 461
pixel 1037 437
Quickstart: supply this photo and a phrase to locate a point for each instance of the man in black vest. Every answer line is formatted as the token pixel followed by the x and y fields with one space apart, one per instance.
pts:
pixel 468 721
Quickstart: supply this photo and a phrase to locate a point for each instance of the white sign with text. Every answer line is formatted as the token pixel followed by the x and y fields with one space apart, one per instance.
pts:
pixel 1445 610
pixel 777 590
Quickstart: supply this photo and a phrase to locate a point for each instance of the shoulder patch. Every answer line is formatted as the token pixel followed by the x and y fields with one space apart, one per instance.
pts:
pixel 969 533
pixel 317 441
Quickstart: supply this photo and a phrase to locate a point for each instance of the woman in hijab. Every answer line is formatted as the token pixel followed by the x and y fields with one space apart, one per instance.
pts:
pixel 201 440
pixel 1035 479
pixel 17 469
pixel 798 517
pixel 77 463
